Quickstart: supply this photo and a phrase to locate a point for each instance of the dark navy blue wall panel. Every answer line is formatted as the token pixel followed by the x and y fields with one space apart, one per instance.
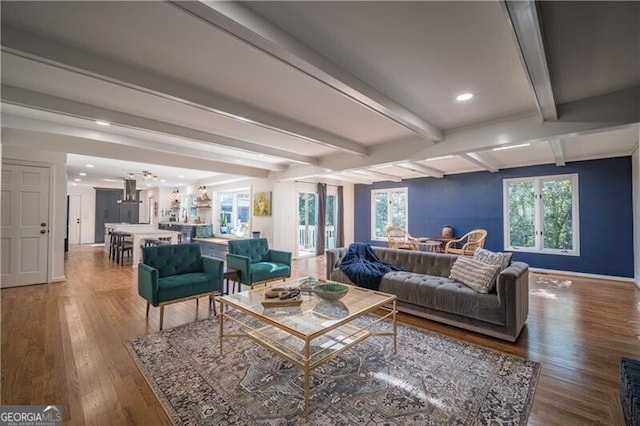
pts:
pixel 474 200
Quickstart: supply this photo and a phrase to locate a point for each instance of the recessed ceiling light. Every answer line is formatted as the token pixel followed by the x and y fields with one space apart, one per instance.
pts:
pixel 103 123
pixel 162 180
pixel 180 184
pixel 464 96
pixel 148 184
pixel 110 180
pixel 511 146
pixel 90 166
pixel 180 176
pixel 74 184
pixel 82 174
pixel 78 180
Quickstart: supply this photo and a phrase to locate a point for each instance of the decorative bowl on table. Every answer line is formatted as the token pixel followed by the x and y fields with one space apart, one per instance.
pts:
pixel 330 291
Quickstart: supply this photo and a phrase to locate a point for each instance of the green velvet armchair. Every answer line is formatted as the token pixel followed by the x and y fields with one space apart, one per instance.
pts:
pixel 178 272
pixel 256 262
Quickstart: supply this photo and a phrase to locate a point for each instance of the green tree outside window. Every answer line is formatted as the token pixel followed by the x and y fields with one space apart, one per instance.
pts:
pixel 542 214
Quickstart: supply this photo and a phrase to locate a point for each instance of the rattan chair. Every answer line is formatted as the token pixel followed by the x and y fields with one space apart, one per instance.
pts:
pixel 469 242
pixel 399 238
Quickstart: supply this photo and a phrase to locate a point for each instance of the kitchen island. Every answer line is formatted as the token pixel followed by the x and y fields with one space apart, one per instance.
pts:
pixel 139 233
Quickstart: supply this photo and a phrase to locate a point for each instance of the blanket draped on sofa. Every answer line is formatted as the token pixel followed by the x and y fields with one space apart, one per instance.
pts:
pixel 363 267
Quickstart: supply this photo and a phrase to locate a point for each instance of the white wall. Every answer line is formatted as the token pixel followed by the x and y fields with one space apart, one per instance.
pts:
pixel 349 214
pixel 58 226
pixel 264 224
pixel 635 164
pixel 284 202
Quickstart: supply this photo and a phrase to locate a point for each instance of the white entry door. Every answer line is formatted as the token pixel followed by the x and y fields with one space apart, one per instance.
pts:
pixel 24 225
pixel 74 218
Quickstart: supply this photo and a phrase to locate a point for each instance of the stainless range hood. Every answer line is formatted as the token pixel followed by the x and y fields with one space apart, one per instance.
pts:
pixel 130 193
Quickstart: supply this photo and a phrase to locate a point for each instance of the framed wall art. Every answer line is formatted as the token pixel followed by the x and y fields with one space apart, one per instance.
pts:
pixel 262 204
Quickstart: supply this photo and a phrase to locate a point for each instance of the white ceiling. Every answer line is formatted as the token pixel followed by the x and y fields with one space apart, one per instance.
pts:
pixel 351 91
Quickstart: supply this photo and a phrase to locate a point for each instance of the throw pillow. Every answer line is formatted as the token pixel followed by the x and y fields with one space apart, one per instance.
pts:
pixel 478 275
pixel 205 231
pixel 492 258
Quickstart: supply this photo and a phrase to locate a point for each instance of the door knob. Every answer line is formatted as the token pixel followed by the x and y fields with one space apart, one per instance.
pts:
pixel 43 224
pixel 43 231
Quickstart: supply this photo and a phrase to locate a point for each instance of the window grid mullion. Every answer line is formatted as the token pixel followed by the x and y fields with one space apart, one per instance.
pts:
pixel 539 222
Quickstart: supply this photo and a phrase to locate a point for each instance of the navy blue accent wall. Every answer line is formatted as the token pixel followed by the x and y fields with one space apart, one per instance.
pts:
pixel 474 200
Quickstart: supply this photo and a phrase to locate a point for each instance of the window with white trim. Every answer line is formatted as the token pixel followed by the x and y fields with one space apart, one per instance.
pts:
pixel 389 207
pixel 234 212
pixel 541 214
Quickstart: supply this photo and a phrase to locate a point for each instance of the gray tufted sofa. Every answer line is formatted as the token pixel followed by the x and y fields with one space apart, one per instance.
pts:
pixel 424 289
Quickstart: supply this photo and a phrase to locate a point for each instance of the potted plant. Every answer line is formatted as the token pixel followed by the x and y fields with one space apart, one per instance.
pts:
pixel 224 227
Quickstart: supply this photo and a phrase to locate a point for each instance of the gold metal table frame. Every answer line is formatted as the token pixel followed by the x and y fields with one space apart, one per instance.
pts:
pixel 304 335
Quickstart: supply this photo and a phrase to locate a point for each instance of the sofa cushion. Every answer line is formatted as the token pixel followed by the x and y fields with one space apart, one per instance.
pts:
pixel 443 294
pixel 493 258
pixel 263 271
pixel 174 287
pixel 420 262
pixel 478 275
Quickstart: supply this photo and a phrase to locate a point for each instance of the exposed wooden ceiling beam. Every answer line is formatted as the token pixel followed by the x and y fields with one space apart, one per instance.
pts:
pixel 302 171
pixel 558 151
pixel 379 175
pixel 602 113
pixel 479 160
pixel 251 28
pixel 607 112
pixel 52 53
pixel 525 25
pixel 185 148
pixel 17 96
pixel 354 178
pixel 125 152
pixel 421 169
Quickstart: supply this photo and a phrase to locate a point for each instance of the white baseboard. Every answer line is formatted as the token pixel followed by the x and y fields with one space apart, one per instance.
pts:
pixel 584 275
pixel 58 279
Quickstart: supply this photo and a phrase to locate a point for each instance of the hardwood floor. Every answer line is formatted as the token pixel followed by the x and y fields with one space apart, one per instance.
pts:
pixel 62 343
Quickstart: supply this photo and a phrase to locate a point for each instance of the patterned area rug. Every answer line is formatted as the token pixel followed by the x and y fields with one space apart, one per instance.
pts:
pixel 432 380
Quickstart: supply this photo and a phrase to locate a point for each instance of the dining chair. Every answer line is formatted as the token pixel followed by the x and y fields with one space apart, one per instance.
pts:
pixel 469 242
pixel 399 238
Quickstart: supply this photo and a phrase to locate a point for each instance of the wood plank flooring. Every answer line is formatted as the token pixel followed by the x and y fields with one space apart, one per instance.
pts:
pixel 62 343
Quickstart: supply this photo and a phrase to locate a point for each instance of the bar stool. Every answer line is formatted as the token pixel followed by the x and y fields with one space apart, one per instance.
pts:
pixel 148 242
pixel 163 241
pixel 123 245
pixel 112 245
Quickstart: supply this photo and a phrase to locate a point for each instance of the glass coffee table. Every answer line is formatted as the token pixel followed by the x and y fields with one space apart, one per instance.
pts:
pixel 312 333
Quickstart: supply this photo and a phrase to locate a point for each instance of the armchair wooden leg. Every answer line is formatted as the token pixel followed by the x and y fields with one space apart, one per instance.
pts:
pixel 197 302
pixel 214 307
pixel 147 309
pixel 161 316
